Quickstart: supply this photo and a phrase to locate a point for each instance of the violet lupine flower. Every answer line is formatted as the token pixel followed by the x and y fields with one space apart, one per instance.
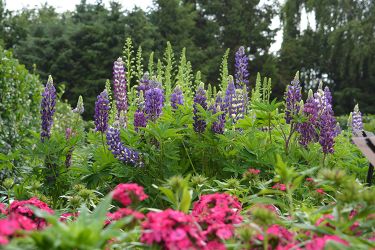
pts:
pixel 119 86
pixel 327 130
pixel 219 125
pixel 199 99
pixel 119 150
pixel 47 109
pixel 241 65
pixel 101 112
pixel 230 96
pixel 234 100
pixel 144 83
pixel 327 96
pixel 177 97
pixel 139 119
pixel 154 101
pixel 307 129
pixel 357 124
pixel 293 97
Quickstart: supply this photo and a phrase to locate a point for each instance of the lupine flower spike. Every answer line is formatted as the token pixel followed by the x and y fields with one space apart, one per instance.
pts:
pixel 119 89
pixel 119 150
pixel 230 97
pixel 47 109
pixel 327 131
pixel 154 101
pixel 293 97
pixel 139 115
pixel 307 129
pixel 101 112
pixel 357 124
pixel 200 99
pixel 241 65
pixel 80 107
pixel 177 97
pixel 219 106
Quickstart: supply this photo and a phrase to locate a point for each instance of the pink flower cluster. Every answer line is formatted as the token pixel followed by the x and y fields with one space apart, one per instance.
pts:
pixel 124 212
pixel 172 229
pixel 217 213
pixel 21 217
pixel 279 236
pixel 319 243
pixel 129 193
pixel 251 173
pixel 279 186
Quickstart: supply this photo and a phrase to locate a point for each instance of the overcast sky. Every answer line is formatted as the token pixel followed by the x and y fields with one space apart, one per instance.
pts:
pixel 62 5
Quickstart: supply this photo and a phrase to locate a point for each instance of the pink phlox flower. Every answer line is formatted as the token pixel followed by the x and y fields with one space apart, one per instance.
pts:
pixel 129 193
pixel 279 186
pixel 172 229
pixel 319 243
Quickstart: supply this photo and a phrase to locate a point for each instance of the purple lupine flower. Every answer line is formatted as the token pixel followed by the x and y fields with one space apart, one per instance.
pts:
pixel 199 99
pixel 357 124
pixel 119 150
pixel 68 157
pixel 219 125
pixel 327 130
pixel 230 96
pixel 307 129
pixel 144 83
pixel 293 98
pixel 139 119
pixel 47 109
pixel 177 97
pixel 241 65
pixel 327 96
pixel 119 86
pixel 101 112
pixel 154 101
pixel 235 104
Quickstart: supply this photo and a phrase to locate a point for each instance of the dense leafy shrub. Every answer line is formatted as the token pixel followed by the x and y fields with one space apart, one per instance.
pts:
pixel 20 93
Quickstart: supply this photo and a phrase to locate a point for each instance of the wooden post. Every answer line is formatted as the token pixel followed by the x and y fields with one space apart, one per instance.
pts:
pixel 366 143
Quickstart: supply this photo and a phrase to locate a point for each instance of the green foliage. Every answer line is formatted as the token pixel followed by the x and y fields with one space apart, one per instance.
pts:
pixel 20 95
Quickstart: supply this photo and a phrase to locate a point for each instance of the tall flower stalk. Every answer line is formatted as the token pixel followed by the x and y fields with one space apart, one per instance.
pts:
pixel 219 106
pixel 293 104
pixel 200 99
pixel 177 97
pixel 307 129
pixel 140 119
pixel 154 101
pixel 120 91
pixel 293 98
pixel 357 124
pixel 241 65
pixel 47 109
pixel 102 107
pixel 327 132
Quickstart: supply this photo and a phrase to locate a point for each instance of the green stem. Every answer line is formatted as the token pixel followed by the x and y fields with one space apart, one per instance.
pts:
pixel 265 241
pixel 187 153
